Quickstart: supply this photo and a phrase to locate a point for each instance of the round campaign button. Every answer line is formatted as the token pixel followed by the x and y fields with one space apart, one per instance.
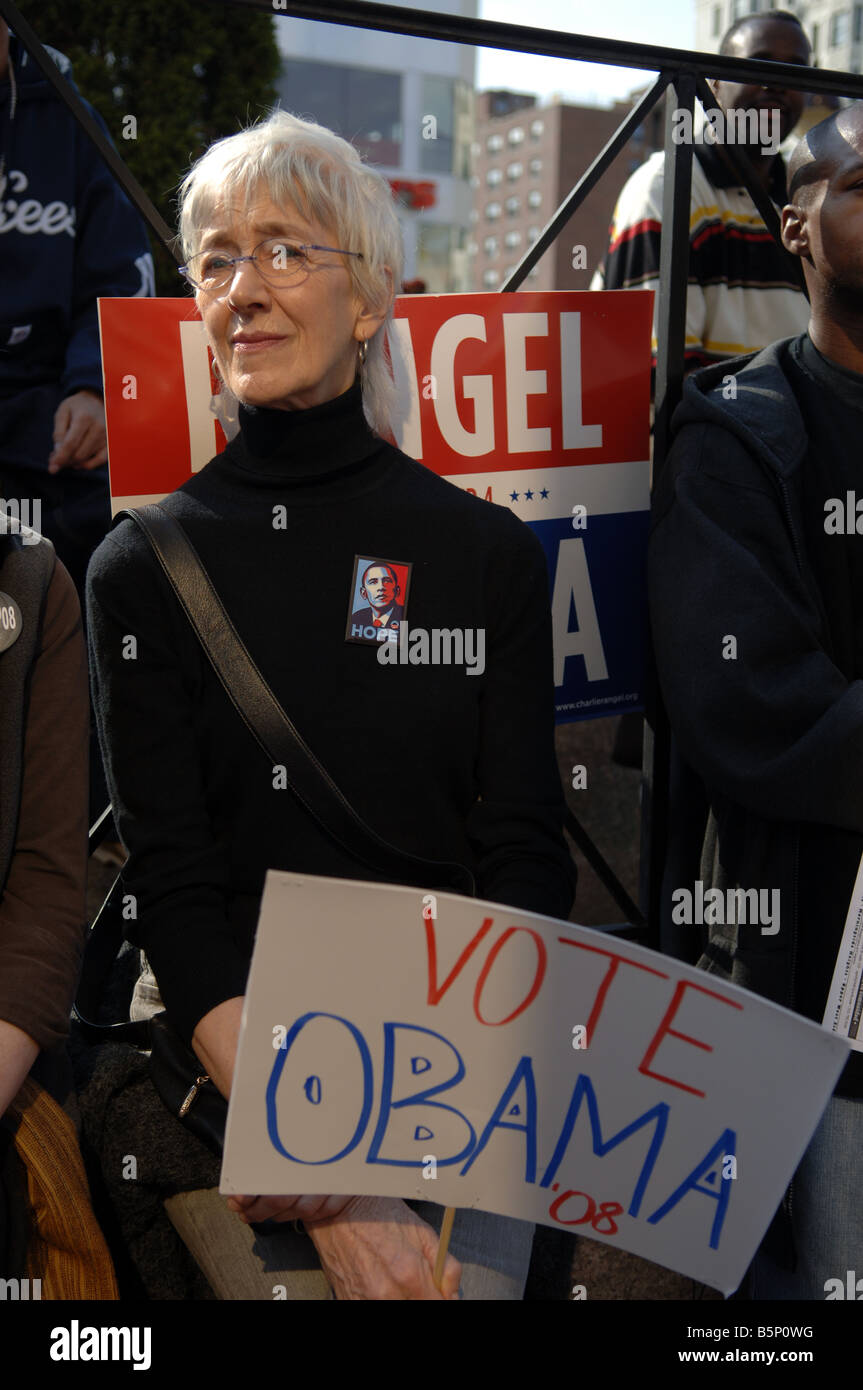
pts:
pixel 10 621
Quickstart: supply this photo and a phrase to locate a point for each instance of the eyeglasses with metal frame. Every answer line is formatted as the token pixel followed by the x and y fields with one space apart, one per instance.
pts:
pixel 277 261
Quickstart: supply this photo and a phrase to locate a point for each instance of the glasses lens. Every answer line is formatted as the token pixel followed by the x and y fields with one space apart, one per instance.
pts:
pixel 280 261
pixel 277 261
pixel 210 269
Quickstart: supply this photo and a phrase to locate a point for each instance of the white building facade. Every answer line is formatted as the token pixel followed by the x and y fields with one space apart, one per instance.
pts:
pixel 834 27
pixel 407 104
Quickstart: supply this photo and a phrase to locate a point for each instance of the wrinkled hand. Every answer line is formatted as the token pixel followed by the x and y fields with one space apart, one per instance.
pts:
pixel 80 439
pixel 376 1248
pixel 307 1208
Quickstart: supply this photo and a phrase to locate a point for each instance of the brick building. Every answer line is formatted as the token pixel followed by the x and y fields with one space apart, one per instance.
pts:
pixel 526 158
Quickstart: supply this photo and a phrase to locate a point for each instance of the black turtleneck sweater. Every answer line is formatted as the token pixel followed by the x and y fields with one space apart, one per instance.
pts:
pixel 444 764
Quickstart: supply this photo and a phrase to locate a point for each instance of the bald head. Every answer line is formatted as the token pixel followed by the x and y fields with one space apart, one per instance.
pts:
pixel 822 223
pixel 825 151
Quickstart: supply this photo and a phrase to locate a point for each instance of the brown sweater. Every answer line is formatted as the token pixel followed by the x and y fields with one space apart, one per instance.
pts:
pixel 43 908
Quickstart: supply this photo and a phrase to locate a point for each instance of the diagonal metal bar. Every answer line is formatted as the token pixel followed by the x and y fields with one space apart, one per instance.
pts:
pixel 673 269
pixel 602 869
pixel 126 179
pixel 745 171
pixel 588 180
pixel 522 38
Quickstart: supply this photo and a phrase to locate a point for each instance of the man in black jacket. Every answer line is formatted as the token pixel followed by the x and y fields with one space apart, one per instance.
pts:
pixel 760 657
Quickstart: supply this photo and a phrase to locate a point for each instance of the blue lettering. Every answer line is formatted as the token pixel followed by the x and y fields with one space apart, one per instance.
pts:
pixel 312 1089
pixel 523 1074
pixel 275 1075
pixel 418 1098
pixel 724 1145
pixel 658 1114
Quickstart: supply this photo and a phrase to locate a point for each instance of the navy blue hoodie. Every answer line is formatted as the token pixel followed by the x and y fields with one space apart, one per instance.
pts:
pixel 776 733
pixel 68 234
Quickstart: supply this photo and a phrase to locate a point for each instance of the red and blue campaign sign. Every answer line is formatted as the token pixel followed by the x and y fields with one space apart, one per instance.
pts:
pixel 539 402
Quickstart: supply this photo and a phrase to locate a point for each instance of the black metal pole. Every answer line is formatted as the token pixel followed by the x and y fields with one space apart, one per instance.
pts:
pixel 602 869
pixel 522 38
pixel 671 338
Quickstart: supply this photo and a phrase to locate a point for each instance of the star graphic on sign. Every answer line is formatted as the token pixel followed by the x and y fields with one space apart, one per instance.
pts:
pixel 513 497
pixel 528 496
pixel 544 492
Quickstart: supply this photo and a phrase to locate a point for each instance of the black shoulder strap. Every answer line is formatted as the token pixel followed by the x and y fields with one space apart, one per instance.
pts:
pixel 267 721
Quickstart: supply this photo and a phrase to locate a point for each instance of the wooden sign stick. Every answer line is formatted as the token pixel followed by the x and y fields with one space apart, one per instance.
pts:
pixel 445 1233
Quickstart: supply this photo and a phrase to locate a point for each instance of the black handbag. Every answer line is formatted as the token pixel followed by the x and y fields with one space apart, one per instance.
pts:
pixel 177 1073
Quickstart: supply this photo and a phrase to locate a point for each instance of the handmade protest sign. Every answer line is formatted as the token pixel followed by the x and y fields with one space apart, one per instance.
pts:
pixel 444 1049
pixel 539 402
pixel 843 1013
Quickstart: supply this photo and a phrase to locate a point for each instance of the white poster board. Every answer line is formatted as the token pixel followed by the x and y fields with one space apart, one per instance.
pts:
pixel 456 1051
pixel 843 1013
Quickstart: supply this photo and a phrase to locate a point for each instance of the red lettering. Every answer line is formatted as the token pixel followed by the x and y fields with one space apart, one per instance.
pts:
pixel 564 1197
pixel 609 976
pixel 436 993
pixel 607 1212
pixel 665 1027
pixel 542 961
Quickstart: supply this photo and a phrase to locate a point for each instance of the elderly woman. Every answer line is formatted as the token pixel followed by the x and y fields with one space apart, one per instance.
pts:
pixel 308 516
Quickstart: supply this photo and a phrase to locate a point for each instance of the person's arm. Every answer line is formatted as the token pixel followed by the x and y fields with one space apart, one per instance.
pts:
pixel 18 1052
pixel 515 827
pixel 760 710
pixel 112 258
pixel 43 908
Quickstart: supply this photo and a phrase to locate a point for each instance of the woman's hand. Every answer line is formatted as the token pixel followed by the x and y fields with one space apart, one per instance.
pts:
pixel 377 1248
pixel 215 1042
pixel 369 1247
pixel 306 1208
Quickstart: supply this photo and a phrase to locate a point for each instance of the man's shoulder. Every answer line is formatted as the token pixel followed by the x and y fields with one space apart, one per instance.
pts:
pixel 745 405
pixel 642 191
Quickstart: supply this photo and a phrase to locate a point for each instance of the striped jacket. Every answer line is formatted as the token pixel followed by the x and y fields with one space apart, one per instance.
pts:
pixel 741 296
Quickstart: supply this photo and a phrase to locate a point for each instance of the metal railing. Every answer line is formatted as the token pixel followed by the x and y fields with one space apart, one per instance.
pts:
pixel 681 77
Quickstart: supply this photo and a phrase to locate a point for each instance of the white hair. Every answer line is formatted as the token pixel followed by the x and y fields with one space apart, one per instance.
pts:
pixel 311 168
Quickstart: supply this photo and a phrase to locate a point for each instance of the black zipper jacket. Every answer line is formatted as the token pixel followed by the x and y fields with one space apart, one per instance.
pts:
pixel 759 709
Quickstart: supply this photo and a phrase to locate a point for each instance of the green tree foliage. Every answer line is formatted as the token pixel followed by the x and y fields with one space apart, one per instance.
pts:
pixel 189 71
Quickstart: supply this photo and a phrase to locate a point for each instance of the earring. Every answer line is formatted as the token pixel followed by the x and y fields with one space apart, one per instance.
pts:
pixel 364 352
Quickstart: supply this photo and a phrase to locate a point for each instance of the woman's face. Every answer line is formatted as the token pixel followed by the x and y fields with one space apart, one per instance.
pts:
pixel 286 347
